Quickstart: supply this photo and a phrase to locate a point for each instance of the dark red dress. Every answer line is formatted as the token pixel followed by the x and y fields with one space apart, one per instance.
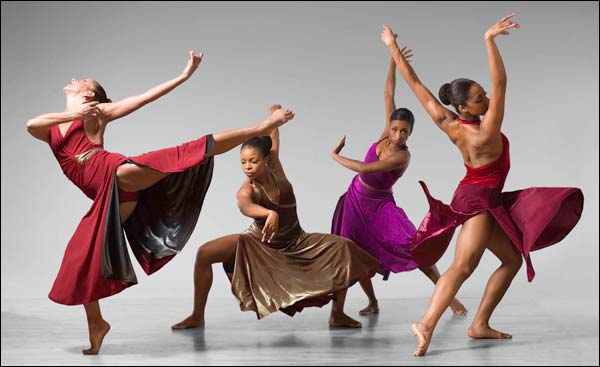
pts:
pixel 96 262
pixel 532 218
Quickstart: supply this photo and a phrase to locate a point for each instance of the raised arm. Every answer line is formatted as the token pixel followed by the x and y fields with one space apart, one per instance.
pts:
pixel 250 209
pixel 39 126
pixel 440 114
pixel 395 162
pixel 389 91
pixel 492 121
pixel 114 110
pixel 274 162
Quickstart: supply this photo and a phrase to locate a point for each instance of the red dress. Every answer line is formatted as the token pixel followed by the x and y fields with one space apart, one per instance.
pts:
pixel 96 262
pixel 532 218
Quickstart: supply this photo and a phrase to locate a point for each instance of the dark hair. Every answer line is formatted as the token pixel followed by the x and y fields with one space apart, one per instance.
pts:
pixel 100 93
pixel 455 92
pixel 403 114
pixel 262 143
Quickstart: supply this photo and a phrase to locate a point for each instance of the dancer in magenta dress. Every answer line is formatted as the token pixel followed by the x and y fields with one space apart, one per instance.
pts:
pixel 155 197
pixel 509 224
pixel 367 212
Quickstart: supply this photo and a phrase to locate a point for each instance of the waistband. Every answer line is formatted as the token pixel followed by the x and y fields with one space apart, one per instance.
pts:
pixel 81 158
pixel 370 187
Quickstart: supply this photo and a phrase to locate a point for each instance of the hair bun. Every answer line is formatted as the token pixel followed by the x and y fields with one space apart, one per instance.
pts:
pixel 444 93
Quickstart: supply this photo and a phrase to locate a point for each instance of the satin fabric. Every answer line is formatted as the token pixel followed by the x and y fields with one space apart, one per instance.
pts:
pixel 96 262
pixel 297 269
pixel 532 218
pixel 368 215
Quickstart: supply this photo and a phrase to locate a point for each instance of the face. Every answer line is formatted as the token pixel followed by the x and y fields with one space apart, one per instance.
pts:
pixel 399 132
pixel 80 86
pixel 253 163
pixel 477 102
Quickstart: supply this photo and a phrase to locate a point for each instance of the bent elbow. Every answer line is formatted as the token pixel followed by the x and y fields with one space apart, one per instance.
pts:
pixel 31 126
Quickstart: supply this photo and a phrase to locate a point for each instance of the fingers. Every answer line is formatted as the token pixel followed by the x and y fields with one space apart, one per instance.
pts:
pixel 272 236
pixel 507 17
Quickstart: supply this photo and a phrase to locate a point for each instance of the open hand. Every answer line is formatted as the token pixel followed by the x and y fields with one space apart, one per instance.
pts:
pixel 501 27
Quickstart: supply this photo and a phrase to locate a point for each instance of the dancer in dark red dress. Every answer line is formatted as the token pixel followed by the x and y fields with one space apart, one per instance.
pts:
pixel 510 224
pixel 155 197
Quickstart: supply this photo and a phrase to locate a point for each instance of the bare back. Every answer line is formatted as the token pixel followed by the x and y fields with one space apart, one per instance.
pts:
pixel 476 150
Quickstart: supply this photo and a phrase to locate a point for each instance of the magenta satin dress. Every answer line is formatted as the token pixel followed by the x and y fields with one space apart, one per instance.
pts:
pixel 368 215
pixel 532 218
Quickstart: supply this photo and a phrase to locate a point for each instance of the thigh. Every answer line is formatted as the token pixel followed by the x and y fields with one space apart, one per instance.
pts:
pixel 125 209
pixel 501 246
pixel 219 250
pixel 131 177
pixel 473 239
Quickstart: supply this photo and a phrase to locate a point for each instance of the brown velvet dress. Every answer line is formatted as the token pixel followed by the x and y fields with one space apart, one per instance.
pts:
pixel 297 269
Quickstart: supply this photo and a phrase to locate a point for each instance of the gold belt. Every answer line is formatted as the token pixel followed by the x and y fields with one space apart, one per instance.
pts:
pixel 81 158
pixel 371 188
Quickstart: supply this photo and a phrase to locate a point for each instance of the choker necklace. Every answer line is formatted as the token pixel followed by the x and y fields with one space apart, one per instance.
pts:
pixel 476 122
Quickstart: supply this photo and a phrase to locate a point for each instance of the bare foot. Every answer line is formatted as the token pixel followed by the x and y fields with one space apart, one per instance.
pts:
pixel 190 322
pixel 278 117
pixel 458 308
pixel 371 309
pixel 423 338
pixel 486 332
pixel 343 320
pixel 274 108
pixel 97 333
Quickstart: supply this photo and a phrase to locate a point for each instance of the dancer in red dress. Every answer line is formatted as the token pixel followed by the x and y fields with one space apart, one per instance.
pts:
pixel 510 224
pixel 155 197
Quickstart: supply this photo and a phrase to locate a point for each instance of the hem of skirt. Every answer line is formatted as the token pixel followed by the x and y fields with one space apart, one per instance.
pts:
pixel 93 299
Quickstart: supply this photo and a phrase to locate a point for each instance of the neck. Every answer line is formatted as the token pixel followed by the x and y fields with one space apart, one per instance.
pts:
pixel 395 147
pixel 264 179
pixel 72 104
pixel 469 120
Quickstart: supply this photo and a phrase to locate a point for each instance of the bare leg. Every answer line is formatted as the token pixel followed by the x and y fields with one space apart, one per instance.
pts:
pixel 472 242
pixel 338 318
pixel 134 178
pixel 219 250
pixel 97 327
pixel 433 274
pixel 373 307
pixel 497 285
pixel 227 140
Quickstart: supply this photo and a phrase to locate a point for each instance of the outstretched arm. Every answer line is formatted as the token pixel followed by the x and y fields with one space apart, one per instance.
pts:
pixel 396 162
pixel 389 91
pixel 250 209
pixel 114 110
pixel 492 121
pixel 274 161
pixel 39 126
pixel 440 114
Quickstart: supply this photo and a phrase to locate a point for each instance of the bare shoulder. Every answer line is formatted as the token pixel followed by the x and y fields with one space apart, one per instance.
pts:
pixel 247 191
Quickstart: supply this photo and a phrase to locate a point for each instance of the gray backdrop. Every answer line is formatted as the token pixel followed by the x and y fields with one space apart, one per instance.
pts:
pixel 327 63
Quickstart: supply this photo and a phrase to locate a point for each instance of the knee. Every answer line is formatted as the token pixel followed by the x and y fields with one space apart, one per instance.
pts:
pixel 464 269
pixel 202 256
pixel 124 183
pixel 514 262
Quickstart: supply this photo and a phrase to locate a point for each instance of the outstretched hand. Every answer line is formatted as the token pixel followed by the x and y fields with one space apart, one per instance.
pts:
pixel 340 146
pixel 388 36
pixel 192 64
pixel 501 27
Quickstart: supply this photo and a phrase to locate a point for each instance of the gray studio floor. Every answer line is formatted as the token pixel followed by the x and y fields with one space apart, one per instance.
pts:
pixel 38 332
